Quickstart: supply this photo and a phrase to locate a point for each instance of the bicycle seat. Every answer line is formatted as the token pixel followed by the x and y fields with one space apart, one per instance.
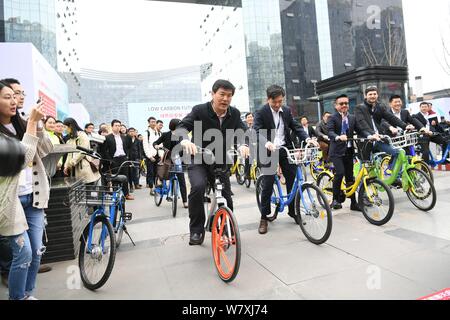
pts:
pixel 118 179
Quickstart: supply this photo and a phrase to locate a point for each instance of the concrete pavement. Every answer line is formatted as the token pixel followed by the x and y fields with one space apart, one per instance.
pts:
pixel 406 259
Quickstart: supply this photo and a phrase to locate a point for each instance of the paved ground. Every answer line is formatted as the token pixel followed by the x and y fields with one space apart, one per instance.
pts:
pixel 406 259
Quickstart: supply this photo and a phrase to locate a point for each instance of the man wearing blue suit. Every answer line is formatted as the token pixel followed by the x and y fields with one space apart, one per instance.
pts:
pixel 341 127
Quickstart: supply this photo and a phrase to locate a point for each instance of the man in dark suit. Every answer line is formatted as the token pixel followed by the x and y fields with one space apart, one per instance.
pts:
pixel 341 127
pixel 135 154
pixel 370 115
pixel 117 149
pixel 215 120
pixel 273 126
pixel 426 120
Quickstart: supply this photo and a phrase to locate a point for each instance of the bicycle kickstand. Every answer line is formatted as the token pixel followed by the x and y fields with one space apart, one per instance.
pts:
pixel 126 232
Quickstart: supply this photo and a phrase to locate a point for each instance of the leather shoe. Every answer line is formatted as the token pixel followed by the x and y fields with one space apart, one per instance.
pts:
pixel 355 207
pixel 196 239
pixel 263 226
pixel 293 216
pixel 129 197
pixel 43 268
pixel 138 187
pixel 336 205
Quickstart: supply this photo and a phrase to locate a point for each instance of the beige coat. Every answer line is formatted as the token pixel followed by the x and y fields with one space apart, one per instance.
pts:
pixel 79 161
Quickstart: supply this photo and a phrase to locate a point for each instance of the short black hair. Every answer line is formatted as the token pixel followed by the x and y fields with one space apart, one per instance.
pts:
pixel 223 84
pixel 325 113
pixel 160 121
pixel 10 81
pixel 275 91
pixel 370 89
pixel 115 121
pixel 131 129
pixel 395 96
pixel 340 97
pixel 430 104
pixel 88 124
pixel 303 117
pixel 173 124
pixel 151 118
pixel 248 114
pixel 424 103
pixel 59 121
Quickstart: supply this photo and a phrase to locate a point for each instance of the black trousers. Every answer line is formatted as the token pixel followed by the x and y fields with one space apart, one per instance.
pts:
pixel 151 172
pixel 199 175
pixel 425 145
pixel 289 172
pixel 343 167
pixel 124 172
pixel 133 175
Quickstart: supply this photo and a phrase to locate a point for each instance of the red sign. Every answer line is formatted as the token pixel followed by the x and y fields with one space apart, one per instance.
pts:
pixel 49 104
pixel 441 295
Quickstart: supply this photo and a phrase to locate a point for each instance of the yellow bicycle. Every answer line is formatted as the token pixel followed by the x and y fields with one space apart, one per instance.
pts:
pixel 238 168
pixel 375 200
pixel 254 174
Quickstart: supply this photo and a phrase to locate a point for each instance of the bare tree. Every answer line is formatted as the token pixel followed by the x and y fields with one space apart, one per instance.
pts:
pixel 393 51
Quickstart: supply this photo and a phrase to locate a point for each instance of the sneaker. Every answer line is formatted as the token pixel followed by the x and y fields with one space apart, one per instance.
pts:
pixel 30 298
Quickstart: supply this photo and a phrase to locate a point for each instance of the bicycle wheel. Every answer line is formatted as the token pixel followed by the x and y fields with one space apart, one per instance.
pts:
pixel 247 182
pixel 423 166
pixel 313 214
pixel 376 202
pixel 226 244
pixel 240 174
pixel 174 197
pixel 422 193
pixel 257 174
pixel 119 222
pixel 275 199
pixel 96 263
pixel 159 190
pixel 385 172
pixel 325 183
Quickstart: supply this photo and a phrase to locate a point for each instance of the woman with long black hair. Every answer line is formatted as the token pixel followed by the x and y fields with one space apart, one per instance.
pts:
pixel 79 164
pixel 24 197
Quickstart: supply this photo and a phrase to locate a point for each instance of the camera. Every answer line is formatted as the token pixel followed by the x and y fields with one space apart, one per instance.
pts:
pixel 12 156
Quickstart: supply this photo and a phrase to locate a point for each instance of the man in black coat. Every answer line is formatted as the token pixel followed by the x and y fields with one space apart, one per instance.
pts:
pixel 341 127
pixel 427 121
pixel 273 126
pixel 210 123
pixel 370 116
pixel 117 148
pixel 135 154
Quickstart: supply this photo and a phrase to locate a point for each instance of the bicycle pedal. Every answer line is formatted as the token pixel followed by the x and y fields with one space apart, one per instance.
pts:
pixel 128 216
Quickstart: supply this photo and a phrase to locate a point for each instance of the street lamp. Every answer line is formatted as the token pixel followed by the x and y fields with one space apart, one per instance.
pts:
pixel 316 99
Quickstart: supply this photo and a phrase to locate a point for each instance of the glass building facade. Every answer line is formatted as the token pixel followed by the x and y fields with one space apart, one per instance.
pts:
pixel 264 48
pixel 30 21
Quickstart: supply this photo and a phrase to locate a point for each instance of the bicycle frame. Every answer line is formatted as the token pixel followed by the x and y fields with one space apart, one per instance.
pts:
pixel 401 167
pixel 217 201
pixel 434 162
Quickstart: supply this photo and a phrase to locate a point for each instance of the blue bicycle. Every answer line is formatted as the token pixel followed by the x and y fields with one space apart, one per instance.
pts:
pixel 170 187
pixel 312 210
pixel 445 153
pixel 107 223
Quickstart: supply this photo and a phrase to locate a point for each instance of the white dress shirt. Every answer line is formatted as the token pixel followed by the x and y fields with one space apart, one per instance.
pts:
pixel 280 139
pixel 120 152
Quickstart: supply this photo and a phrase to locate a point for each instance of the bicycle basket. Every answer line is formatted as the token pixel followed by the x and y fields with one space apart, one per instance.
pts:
pixel 94 196
pixel 301 156
pixel 403 141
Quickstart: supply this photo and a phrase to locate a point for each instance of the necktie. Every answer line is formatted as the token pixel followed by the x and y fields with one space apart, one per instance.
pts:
pixel 345 126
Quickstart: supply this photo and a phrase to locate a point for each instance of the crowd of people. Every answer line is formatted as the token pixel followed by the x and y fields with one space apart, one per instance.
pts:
pixel 24 197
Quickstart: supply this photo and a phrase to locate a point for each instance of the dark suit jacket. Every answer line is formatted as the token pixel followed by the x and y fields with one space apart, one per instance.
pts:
pixel 334 125
pixel 364 116
pixel 204 114
pixel 110 146
pixel 264 121
pixel 166 140
pixel 419 116
pixel 406 118
pixel 136 150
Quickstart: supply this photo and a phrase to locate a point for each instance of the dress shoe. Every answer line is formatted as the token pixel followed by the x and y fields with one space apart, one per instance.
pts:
pixel 152 192
pixel 293 216
pixel 5 279
pixel 185 205
pixel 355 207
pixel 196 239
pixel 398 184
pixel 263 226
pixel 129 197
pixel 336 205
pixel 43 268
pixel 138 187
